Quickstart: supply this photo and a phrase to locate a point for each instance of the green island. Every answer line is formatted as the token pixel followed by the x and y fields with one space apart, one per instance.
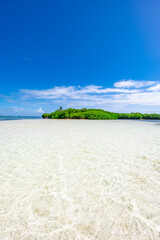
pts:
pixel 96 114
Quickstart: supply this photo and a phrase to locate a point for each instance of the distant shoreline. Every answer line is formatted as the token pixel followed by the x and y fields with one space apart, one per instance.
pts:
pixel 9 118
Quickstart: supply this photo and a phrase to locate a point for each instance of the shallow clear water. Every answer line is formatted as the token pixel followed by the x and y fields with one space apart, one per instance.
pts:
pixel 6 118
pixel 73 179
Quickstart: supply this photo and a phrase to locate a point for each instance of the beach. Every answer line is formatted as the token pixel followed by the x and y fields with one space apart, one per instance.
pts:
pixel 79 180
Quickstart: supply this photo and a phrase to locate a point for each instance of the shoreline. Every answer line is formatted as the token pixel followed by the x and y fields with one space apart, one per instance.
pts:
pixel 81 120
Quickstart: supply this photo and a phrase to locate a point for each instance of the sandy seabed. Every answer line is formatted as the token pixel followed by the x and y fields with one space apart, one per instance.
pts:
pixel 79 180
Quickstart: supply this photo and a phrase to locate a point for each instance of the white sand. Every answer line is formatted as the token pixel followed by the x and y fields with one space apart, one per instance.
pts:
pixel 79 180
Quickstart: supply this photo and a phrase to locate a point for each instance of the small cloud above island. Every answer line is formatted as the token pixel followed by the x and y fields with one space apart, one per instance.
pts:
pixel 40 110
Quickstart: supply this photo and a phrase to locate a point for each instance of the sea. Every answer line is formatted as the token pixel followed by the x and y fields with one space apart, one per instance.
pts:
pixel 6 118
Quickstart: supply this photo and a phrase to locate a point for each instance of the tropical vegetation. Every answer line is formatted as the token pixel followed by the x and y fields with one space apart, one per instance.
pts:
pixel 99 114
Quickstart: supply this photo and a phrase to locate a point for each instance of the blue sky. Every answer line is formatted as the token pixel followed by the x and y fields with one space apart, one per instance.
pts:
pixel 102 54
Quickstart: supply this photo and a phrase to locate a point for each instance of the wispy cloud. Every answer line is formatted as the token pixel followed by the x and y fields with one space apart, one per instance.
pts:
pixel 125 95
pixel 18 109
pixel 155 88
pixel 72 92
pixel 122 92
pixel 40 110
pixel 21 111
pixel 8 98
pixel 133 84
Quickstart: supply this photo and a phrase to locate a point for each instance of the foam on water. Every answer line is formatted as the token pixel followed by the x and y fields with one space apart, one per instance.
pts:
pixel 79 180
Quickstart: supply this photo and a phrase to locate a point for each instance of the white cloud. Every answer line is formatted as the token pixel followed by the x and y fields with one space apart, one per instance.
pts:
pixel 93 95
pixel 40 110
pixel 155 88
pixel 125 94
pixel 18 109
pixel 145 98
pixel 71 92
pixel 133 84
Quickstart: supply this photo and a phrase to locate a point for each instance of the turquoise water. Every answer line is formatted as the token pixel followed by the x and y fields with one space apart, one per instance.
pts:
pixel 6 118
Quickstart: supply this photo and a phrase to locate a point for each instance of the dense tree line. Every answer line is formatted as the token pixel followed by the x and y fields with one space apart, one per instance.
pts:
pixel 138 116
pixel 98 114
pixel 83 113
